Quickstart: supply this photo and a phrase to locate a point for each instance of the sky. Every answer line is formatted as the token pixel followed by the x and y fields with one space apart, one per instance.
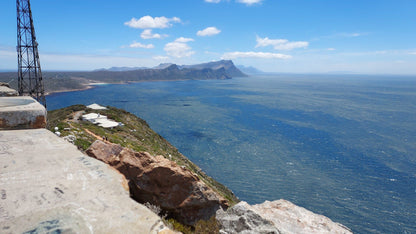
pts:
pixel 289 36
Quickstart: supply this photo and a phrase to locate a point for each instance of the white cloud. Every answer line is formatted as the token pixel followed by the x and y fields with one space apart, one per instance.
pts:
pixel 233 55
pixel 184 40
pixel 249 2
pixel 179 48
pixel 140 45
pixel 280 44
pixel 413 53
pixel 210 31
pixel 213 1
pixel 331 49
pixel 149 22
pixel 147 34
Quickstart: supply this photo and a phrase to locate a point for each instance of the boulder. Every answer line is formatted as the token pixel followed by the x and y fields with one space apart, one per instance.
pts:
pixel 242 219
pixel 290 218
pixel 279 216
pixel 161 182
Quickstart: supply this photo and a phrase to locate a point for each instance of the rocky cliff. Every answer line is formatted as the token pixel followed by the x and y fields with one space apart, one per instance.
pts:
pixel 279 216
pixel 176 185
pixel 227 65
pixel 161 182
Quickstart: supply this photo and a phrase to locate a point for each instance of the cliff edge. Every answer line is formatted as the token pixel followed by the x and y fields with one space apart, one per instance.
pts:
pixel 158 174
pixel 161 182
pixel 48 186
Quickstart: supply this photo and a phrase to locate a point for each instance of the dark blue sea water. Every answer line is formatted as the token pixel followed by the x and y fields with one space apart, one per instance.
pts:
pixel 341 146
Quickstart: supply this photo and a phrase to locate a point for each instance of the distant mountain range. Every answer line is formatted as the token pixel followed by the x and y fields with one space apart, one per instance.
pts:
pixel 224 69
pixel 120 69
pixel 204 68
pixel 249 69
pixel 59 81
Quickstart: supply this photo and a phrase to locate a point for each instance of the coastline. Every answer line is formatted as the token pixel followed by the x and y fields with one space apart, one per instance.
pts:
pixel 92 85
pixel 86 87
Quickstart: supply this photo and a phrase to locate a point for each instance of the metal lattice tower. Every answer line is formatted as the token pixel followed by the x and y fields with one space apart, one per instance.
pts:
pixel 29 72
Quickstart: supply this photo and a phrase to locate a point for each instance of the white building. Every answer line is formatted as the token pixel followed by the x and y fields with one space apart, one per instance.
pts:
pixel 95 106
pixel 100 120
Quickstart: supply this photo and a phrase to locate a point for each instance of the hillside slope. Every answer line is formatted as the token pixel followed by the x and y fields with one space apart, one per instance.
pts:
pixel 134 134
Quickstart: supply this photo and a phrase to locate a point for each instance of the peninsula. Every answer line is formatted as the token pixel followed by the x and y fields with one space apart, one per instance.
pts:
pixel 62 81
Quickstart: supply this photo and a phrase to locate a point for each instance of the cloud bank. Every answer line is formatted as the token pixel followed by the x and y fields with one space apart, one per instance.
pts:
pixel 140 45
pixel 179 48
pixel 147 22
pixel 280 44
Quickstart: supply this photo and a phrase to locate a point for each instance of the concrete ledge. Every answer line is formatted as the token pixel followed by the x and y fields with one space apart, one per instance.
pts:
pixel 21 113
pixel 5 91
pixel 48 186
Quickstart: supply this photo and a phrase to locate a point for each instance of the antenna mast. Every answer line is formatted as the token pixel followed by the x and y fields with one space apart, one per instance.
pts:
pixel 29 72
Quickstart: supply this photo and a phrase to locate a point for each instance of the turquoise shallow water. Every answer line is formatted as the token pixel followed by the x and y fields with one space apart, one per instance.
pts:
pixel 341 146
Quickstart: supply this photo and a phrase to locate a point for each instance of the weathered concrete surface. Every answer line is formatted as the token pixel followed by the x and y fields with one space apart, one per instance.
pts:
pixel 279 216
pixel 47 185
pixel 21 113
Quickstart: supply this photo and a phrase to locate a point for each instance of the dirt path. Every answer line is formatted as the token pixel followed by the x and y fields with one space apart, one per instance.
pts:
pixel 94 135
pixel 76 116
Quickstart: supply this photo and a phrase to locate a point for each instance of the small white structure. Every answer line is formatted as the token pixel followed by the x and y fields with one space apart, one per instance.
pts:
pixel 93 117
pixel 95 106
pixel 106 123
pixel 101 120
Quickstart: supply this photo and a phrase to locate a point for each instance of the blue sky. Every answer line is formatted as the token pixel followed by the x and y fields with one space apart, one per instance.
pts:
pixel 296 36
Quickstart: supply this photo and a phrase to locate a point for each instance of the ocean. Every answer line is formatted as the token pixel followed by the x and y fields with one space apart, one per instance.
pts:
pixel 339 145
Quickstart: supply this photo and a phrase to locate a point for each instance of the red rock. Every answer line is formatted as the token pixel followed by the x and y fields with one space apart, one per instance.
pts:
pixel 161 182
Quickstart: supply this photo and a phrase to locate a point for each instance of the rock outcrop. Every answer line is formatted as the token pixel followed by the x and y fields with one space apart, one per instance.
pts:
pixel 242 219
pixel 279 216
pixel 161 182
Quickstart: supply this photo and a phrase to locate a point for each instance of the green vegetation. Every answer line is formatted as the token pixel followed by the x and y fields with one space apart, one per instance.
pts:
pixel 134 134
pixel 209 226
